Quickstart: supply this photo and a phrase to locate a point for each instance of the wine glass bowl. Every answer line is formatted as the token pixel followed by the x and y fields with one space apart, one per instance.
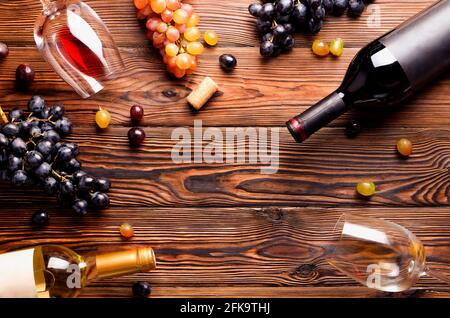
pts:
pixel 377 253
pixel 73 39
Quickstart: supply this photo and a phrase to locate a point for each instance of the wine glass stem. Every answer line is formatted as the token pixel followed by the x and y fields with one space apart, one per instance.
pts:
pixel 437 275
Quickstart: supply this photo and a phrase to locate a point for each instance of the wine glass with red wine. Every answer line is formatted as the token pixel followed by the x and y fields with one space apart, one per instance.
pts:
pixel 77 44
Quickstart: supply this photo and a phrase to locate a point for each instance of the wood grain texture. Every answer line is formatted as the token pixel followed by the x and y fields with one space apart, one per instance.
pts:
pixel 226 230
pixel 267 292
pixel 229 18
pixel 258 93
pixel 317 173
pixel 249 247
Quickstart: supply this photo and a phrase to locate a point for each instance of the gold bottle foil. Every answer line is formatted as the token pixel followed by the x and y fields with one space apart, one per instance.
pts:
pixel 39 274
pixel 141 259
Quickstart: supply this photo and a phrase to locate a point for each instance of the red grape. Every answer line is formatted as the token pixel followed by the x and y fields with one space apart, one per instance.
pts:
pixel 24 75
pixel 136 136
pixel 136 113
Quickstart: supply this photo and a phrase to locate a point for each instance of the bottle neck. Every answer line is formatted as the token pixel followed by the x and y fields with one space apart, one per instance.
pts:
pixel 135 260
pixel 331 107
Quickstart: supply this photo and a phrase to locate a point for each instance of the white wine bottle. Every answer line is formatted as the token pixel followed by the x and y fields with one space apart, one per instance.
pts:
pixel 56 271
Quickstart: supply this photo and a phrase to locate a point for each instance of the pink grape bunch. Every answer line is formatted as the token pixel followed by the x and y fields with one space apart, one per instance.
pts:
pixel 172 26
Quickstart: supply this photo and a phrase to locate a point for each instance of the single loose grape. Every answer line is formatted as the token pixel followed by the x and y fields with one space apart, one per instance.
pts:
pixel 211 38
pixel 195 48
pixel 366 188
pixel 227 62
pixel 172 49
pixel 126 230
pixel 141 289
pixel 103 118
pixel 24 75
pixel 194 20
pixel 320 48
pixel 180 16
pixel 404 147
pixel 136 136
pixel 158 6
pixel 136 113
pixel 337 47
pixel 353 128
pixel 40 218
pixel 192 34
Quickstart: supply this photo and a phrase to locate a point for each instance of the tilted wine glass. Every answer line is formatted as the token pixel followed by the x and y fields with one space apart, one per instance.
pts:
pixel 77 44
pixel 379 254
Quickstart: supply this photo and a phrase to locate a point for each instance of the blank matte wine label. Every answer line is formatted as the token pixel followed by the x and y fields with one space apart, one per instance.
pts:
pixel 422 44
pixel 17 275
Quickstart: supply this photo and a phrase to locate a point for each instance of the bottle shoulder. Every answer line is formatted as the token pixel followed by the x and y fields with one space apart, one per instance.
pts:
pixel 375 77
pixel 62 271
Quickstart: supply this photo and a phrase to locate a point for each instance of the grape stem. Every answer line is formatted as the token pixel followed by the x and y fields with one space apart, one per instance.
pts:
pixel 3 115
pixel 48 120
pixel 58 175
pixel 31 140
pixel 54 160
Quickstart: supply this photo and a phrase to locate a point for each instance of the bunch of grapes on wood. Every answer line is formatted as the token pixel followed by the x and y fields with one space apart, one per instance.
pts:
pixel 277 21
pixel 32 153
pixel 172 27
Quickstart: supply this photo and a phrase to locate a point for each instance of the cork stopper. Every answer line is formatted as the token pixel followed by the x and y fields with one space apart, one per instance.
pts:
pixel 200 96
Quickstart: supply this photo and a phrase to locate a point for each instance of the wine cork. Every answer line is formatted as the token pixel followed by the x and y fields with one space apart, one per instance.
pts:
pixel 198 97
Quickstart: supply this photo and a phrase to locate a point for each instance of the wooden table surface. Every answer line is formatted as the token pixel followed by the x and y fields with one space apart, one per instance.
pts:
pixel 226 229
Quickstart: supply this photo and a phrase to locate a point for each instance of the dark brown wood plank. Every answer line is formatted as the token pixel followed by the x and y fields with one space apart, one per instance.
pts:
pixel 258 93
pixel 226 230
pixel 249 247
pixel 229 18
pixel 320 172
pixel 258 292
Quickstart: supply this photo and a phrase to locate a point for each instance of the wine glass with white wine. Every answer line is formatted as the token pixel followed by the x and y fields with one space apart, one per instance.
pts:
pixel 379 254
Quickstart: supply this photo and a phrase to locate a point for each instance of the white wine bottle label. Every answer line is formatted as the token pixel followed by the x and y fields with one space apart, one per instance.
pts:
pixel 17 275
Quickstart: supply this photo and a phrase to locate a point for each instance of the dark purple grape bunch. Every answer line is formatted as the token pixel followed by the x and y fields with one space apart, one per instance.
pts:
pixel 32 153
pixel 274 25
pixel 277 21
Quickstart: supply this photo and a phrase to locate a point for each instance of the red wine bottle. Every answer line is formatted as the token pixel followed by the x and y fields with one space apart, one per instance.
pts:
pixel 387 71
